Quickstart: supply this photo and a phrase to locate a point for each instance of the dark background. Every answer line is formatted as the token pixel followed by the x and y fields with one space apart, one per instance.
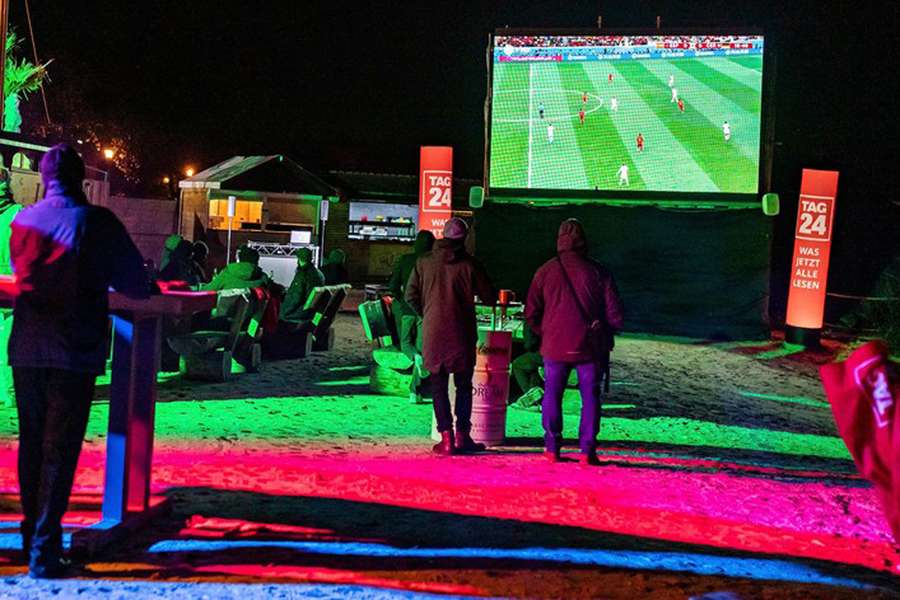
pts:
pixel 343 85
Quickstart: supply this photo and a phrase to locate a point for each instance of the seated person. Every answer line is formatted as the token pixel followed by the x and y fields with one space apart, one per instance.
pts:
pixel 244 274
pixel 335 269
pixel 526 371
pixel 408 323
pixel 292 316
pixel 176 263
pixel 199 254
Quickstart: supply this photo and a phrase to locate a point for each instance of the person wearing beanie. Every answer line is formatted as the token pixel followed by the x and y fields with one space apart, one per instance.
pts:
pixel 442 289
pixel 66 254
pixel 176 264
pixel 409 324
pixel 8 211
pixel 335 268
pixel 241 275
pixel 306 277
pixel 574 306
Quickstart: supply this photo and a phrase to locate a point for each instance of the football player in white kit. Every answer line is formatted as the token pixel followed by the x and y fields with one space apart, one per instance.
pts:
pixel 671 81
pixel 674 95
pixel 726 130
pixel 550 133
pixel 622 173
pixel 614 104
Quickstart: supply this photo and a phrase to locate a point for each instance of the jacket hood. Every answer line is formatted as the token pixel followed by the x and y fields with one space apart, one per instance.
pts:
pixel 424 242
pixel 449 251
pixel 62 172
pixel 571 237
pixel 336 257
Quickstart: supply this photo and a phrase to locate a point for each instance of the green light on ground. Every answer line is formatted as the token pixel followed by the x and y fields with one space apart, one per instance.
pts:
pixel 160 377
pixel 787 399
pixel 349 368
pixel 785 350
pixel 361 380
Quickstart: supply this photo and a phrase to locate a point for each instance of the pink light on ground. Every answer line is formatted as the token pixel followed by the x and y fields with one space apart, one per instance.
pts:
pixel 725 510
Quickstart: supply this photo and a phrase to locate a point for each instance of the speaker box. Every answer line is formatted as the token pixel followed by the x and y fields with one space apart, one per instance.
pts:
pixel 771 204
pixel 476 196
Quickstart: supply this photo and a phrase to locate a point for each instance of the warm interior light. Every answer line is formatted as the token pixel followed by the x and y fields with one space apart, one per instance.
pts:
pixel 109 153
pixel 165 180
pixel 189 171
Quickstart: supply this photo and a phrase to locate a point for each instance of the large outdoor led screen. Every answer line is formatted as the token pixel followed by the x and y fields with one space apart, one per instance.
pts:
pixel 632 113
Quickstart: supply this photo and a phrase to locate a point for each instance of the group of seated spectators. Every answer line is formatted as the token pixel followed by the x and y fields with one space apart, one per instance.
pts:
pixel 186 262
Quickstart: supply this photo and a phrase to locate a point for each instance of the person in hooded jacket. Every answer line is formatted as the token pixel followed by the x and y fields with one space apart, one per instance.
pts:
pixel 199 255
pixel 241 275
pixel 335 268
pixel 409 324
pixel 442 288
pixel 292 315
pixel 176 263
pixel 8 210
pixel 573 304
pixel 66 254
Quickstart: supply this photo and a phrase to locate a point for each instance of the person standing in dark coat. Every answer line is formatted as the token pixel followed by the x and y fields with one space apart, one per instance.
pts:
pixel 573 304
pixel 409 324
pixel 442 288
pixel 65 254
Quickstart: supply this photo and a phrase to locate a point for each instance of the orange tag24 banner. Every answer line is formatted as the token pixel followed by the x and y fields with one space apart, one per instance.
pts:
pixel 812 247
pixel 435 188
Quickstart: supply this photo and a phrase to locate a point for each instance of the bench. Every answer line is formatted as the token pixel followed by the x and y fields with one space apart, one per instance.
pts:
pixel 207 354
pixel 315 335
pixel 392 369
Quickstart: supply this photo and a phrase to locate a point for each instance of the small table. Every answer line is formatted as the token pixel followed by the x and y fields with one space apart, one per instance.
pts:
pixel 129 442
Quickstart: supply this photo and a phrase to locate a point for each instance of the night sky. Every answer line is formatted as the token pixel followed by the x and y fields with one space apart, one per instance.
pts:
pixel 362 85
pixel 340 85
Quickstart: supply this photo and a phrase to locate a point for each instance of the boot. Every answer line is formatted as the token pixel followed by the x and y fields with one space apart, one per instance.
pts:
pixel 445 446
pixel 552 456
pixel 590 459
pixel 465 443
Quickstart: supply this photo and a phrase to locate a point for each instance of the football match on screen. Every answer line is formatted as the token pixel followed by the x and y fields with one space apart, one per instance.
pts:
pixel 636 113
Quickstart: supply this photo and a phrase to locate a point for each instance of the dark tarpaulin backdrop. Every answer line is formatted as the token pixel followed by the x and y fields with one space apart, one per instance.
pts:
pixel 697 273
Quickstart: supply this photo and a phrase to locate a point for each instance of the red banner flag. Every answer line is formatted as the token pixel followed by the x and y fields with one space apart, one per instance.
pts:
pixel 812 247
pixel 435 188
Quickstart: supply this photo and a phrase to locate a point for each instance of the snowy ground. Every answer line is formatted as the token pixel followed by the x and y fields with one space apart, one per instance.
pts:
pixel 722 472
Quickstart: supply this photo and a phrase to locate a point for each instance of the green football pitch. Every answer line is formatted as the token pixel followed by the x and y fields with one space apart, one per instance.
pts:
pixel 682 151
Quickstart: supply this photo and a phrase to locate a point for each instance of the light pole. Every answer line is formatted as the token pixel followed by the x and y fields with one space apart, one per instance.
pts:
pixel 231 203
pixel 4 21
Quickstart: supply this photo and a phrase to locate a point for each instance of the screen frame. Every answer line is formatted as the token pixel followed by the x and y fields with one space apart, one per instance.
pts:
pixel 397 240
pixel 534 196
